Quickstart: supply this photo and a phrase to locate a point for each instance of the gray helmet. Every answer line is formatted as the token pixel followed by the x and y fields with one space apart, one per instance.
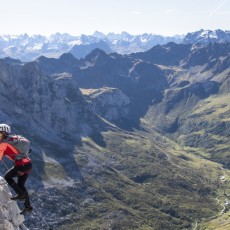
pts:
pixel 5 128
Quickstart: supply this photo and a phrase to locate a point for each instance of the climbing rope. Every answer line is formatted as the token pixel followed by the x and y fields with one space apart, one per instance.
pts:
pixel 38 213
pixel 7 168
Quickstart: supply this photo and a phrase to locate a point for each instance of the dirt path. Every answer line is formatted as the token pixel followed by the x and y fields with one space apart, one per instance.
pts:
pixel 222 180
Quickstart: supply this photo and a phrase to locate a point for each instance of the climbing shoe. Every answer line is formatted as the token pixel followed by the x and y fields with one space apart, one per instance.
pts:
pixel 18 197
pixel 26 209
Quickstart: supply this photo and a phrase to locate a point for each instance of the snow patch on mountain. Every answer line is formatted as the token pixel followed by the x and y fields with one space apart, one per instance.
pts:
pixel 207 36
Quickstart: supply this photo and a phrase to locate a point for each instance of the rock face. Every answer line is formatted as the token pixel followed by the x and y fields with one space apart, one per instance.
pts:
pixel 10 218
pixel 52 104
pixel 109 103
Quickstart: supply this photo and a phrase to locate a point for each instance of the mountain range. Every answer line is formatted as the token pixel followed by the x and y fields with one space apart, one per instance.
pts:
pixel 125 141
pixel 28 48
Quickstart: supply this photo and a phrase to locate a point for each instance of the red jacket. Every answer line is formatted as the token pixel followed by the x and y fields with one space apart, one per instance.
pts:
pixel 11 152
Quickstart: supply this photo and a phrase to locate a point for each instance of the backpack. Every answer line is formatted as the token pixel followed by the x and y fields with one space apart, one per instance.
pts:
pixel 21 144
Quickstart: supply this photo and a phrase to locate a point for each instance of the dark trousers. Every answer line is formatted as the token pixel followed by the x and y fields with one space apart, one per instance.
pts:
pixel 19 187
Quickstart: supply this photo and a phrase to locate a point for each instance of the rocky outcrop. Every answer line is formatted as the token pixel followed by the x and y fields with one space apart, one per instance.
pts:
pixel 209 55
pixel 110 103
pixel 10 217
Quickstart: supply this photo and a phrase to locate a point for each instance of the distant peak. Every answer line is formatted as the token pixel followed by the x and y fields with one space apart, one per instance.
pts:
pixel 96 54
pixel 98 51
pixel 98 34
pixel 67 56
pixel 12 61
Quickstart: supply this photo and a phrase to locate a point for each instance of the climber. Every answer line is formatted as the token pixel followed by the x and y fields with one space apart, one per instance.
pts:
pixel 16 148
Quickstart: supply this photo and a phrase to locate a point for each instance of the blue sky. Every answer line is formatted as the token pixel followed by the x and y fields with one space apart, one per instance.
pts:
pixel 165 17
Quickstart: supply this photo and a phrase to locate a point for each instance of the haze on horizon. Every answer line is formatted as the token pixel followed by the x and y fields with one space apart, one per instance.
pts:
pixel 75 17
